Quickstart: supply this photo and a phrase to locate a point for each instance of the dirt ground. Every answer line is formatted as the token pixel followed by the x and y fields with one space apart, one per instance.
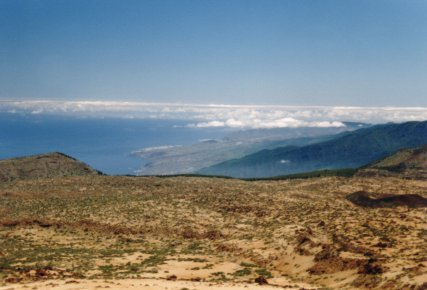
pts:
pixel 99 232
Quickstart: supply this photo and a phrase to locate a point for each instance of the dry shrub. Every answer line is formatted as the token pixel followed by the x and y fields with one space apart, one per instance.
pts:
pixel 213 235
pixel 189 233
pixel 85 225
pixel 222 247
pixel 243 209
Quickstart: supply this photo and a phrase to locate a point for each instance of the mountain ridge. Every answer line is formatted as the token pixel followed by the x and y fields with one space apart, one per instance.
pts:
pixel 349 150
pixel 237 144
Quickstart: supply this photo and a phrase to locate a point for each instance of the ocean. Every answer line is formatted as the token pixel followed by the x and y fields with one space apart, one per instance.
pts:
pixel 105 144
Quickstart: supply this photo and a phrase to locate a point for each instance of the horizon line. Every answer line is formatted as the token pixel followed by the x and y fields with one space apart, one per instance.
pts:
pixel 219 105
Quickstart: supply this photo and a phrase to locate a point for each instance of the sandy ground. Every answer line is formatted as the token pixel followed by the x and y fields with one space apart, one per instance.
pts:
pixel 134 233
pixel 146 284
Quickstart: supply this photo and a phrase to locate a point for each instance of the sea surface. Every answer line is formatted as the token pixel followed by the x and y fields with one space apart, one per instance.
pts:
pixel 103 143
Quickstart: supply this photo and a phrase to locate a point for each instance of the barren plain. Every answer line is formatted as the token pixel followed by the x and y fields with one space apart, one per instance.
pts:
pixel 99 232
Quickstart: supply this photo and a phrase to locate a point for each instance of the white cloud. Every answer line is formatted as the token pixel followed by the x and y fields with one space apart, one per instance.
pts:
pixel 208 124
pixel 221 115
pixel 156 149
pixel 266 123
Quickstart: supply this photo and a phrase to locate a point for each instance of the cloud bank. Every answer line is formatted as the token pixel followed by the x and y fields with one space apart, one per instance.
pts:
pixel 220 115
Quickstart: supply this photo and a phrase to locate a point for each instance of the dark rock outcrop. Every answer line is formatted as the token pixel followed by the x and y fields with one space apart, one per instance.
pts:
pixel 365 199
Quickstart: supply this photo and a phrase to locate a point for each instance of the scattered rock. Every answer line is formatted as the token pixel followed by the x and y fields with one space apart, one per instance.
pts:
pixel 13 280
pixel 260 280
pixel 371 268
pixel 171 277
pixel 381 245
pixel 321 224
pixel 327 252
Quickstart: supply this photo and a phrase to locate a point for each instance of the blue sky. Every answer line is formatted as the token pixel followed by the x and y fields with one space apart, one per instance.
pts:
pixel 334 53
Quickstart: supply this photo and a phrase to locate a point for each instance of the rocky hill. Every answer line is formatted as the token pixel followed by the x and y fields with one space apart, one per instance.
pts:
pixel 43 166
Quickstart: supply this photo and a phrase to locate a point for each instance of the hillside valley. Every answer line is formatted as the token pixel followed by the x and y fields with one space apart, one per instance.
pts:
pixel 346 150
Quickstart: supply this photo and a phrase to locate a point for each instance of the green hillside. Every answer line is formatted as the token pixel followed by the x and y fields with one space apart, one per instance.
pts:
pixel 348 150
pixel 407 163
